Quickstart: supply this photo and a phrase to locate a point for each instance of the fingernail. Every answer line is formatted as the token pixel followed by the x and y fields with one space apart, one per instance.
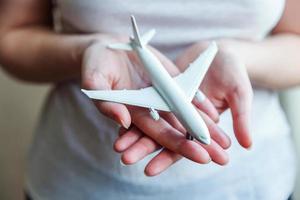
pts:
pixel 209 160
pixel 249 148
pixel 221 130
pixel 124 124
pixel 200 96
pixel 123 164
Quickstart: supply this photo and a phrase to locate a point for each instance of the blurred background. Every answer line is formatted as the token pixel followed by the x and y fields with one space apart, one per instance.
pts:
pixel 20 104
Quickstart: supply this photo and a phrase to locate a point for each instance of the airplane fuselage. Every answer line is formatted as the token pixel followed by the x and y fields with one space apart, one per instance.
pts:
pixel 173 95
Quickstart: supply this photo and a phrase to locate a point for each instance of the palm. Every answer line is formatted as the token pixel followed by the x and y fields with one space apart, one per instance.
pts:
pixel 226 76
pixel 120 69
pixel 106 69
pixel 227 85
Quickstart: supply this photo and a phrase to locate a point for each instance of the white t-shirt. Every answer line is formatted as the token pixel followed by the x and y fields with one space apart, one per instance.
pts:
pixel 72 155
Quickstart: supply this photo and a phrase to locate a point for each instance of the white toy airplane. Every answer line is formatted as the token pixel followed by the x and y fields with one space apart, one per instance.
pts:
pixel 171 94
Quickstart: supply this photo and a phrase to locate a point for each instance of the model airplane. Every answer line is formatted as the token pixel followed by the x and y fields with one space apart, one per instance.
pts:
pixel 171 94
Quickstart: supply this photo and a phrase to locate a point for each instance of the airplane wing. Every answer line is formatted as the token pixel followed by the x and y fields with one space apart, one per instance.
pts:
pixel 147 97
pixel 192 77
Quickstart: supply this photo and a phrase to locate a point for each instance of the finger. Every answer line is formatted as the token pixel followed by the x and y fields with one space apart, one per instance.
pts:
pixel 240 105
pixel 169 137
pixel 161 162
pixel 143 147
pixel 117 112
pixel 173 121
pixel 217 153
pixel 166 158
pixel 216 133
pixel 123 130
pixel 127 139
pixel 206 106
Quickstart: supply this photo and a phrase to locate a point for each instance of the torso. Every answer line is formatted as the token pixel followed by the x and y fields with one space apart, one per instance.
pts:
pixel 178 23
pixel 73 146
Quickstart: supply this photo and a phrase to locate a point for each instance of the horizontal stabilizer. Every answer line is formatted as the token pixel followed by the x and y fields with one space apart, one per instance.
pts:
pixel 148 36
pixel 136 40
pixel 120 46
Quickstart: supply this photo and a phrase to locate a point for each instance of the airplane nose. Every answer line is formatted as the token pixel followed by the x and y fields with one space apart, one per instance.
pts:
pixel 204 140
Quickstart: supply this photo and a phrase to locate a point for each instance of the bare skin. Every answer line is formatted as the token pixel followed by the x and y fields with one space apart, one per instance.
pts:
pixel 226 85
pixel 29 37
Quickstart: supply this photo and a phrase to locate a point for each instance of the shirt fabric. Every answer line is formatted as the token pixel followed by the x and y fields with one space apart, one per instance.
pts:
pixel 72 157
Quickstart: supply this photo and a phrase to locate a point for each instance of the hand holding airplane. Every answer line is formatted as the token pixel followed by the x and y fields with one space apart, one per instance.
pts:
pixel 167 94
pixel 106 69
pixel 226 85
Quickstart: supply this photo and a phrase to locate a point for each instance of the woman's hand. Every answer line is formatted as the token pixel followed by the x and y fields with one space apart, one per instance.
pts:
pixel 106 69
pixel 226 85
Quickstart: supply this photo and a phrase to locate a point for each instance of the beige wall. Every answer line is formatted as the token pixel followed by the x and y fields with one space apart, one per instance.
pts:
pixel 19 108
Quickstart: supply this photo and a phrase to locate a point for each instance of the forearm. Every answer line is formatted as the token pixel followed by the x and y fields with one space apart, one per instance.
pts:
pixel 41 55
pixel 273 63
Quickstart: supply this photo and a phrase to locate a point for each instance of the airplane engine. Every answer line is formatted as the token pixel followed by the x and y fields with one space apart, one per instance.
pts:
pixel 154 114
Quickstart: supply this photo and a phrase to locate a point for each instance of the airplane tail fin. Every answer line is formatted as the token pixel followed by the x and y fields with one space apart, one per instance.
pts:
pixel 138 40
pixel 136 33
